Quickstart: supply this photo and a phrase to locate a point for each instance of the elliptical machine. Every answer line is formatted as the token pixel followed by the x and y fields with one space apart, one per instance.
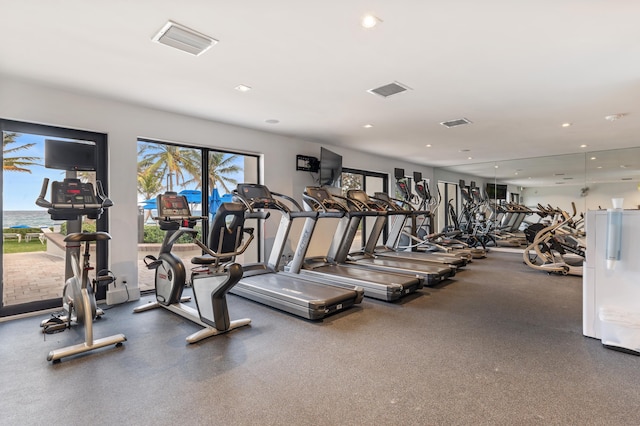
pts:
pixel 70 200
pixel 217 272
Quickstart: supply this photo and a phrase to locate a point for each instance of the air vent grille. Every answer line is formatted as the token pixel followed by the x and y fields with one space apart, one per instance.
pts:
pixel 389 89
pixel 457 122
pixel 183 38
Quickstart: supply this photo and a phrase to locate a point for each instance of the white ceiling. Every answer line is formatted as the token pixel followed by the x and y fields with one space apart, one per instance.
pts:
pixel 516 69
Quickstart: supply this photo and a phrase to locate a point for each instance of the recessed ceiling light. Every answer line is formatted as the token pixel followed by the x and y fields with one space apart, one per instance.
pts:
pixel 496 166
pixel 272 121
pixel 428 145
pixel 242 88
pixel 368 126
pixel 592 158
pixel 469 158
pixel 599 167
pixel 370 21
pixel 566 124
pixel 183 38
pixel 583 145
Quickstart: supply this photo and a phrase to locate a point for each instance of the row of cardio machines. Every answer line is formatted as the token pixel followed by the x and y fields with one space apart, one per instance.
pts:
pixel 314 287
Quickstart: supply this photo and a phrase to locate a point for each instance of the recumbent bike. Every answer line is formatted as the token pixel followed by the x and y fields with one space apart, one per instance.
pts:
pixel 216 272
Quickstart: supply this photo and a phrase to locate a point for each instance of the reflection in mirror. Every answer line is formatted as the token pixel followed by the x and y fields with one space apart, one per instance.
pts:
pixel 613 174
pixel 588 180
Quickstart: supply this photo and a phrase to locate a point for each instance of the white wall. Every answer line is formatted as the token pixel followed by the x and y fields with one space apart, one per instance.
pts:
pixel 124 123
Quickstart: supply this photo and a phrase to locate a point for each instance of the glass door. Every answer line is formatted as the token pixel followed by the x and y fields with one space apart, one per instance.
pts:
pixel 33 254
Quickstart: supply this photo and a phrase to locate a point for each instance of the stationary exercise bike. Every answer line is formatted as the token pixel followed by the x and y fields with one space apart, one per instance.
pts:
pixel 215 274
pixel 72 199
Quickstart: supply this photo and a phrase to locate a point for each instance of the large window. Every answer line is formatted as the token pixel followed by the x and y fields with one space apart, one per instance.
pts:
pixel 33 267
pixel 370 182
pixel 205 176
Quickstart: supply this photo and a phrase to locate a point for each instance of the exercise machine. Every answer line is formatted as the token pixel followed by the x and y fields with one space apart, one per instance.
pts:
pixel 264 282
pixel 383 285
pixel 382 257
pixel 216 273
pixel 72 199
pixel 558 247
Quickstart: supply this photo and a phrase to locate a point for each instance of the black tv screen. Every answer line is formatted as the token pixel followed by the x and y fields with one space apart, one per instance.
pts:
pixel 65 155
pixel 496 192
pixel 330 168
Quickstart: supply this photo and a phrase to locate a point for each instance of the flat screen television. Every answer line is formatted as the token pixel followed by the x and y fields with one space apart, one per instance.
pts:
pixel 496 192
pixel 65 155
pixel 330 168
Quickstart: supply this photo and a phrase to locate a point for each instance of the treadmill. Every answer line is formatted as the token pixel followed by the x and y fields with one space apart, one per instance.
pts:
pixel 403 212
pixel 264 283
pixel 387 286
pixel 432 272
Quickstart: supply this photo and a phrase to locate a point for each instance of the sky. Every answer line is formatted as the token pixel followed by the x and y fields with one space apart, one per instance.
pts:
pixel 20 190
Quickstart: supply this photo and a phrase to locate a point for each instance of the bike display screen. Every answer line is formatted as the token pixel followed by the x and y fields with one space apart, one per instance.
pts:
pixel 172 205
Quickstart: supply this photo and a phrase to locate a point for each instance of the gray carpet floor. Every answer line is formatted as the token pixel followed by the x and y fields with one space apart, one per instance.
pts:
pixel 500 344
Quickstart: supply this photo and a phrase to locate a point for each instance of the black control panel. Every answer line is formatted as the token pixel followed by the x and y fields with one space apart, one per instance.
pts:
pixel 71 199
pixel 73 193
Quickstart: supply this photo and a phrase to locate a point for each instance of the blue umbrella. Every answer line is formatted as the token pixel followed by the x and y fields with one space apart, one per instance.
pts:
pixel 20 227
pixel 193 196
pixel 216 199
pixel 149 204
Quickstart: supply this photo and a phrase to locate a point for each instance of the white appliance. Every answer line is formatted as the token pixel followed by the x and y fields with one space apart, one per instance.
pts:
pixel 611 296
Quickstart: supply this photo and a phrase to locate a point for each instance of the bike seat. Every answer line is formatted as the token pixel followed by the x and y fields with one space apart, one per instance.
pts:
pixel 87 236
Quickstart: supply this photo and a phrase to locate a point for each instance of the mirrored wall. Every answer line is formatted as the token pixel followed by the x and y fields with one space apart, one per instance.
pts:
pixel 573 183
pixel 587 180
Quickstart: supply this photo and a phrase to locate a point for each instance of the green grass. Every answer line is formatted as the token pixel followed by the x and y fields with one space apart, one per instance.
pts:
pixel 12 246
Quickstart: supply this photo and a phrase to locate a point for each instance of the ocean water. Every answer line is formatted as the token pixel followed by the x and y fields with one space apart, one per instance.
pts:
pixel 31 218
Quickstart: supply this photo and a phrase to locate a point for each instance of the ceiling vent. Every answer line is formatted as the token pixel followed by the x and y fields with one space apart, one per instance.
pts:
pixel 389 89
pixel 183 38
pixel 454 123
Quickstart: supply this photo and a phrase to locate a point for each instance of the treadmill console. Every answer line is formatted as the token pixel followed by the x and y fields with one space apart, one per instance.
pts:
pixel 257 195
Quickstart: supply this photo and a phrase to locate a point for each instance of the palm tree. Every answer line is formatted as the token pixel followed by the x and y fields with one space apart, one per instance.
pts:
pixel 170 161
pixel 149 183
pixel 220 167
pixel 17 163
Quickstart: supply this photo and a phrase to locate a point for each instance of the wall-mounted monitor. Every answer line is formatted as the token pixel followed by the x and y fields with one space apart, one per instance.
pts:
pixel 66 155
pixel 496 192
pixel 398 173
pixel 330 168
pixel 417 177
